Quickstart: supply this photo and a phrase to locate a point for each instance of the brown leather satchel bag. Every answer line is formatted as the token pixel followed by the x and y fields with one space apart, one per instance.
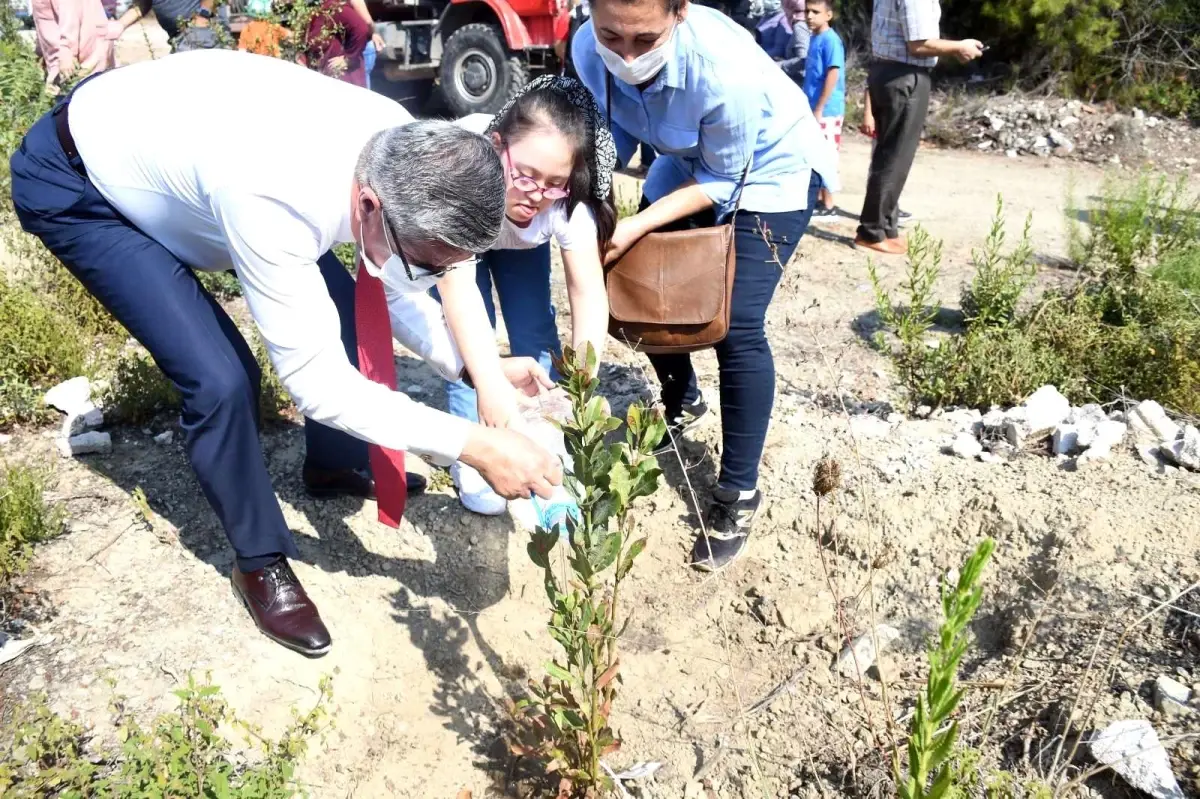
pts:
pixel 671 291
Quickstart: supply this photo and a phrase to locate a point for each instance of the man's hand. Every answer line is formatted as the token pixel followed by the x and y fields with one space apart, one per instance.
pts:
pixel 968 50
pixel 512 463
pixel 199 22
pixel 868 124
pixel 526 375
pixel 497 405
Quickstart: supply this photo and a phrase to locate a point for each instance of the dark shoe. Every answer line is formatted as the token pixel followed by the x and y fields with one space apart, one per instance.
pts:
pixel 329 483
pixel 281 608
pixel 729 520
pixel 823 211
pixel 903 216
pixel 690 417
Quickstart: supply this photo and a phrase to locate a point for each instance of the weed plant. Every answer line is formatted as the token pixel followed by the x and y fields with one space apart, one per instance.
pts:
pixel 26 518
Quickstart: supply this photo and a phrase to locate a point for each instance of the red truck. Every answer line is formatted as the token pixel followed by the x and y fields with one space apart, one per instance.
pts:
pixel 480 51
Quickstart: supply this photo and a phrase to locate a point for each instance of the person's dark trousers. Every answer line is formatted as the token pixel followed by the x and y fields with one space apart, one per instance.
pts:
pixel 747 368
pixel 900 102
pixel 158 299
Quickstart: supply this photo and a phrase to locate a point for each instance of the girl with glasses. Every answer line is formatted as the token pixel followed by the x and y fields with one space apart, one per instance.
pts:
pixel 559 158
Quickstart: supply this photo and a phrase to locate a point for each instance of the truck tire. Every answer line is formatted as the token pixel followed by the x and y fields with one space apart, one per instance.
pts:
pixel 477 73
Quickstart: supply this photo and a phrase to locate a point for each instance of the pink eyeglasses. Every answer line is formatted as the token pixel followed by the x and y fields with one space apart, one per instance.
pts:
pixel 528 185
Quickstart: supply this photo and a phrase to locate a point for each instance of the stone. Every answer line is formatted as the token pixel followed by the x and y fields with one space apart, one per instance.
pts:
pixel 92 443
pixel 964 418
pixel 1015 433
pixel 1106 435
pixel 923 411
pixel 69 396
pixel 84 418
pixel 1068 122
pixel 165 437
pixel 1044 409
pixel 1150 455
pixel 1041 143
pixel 1091 414
pixel 966 446
pixel 1149 419
pixel 415 388
pixel 1012 153
pixel 1061 142
pixel 1186 451
pixel 869 427
pixel 1065 440
pixel 855 659
pixel 1171 696
pixel 1132 749
pixel 986 144
pixel 4 439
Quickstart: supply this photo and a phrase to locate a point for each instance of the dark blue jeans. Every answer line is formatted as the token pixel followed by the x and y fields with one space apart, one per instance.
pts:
pixel 522 282
pixel 158 299
pixel 747 368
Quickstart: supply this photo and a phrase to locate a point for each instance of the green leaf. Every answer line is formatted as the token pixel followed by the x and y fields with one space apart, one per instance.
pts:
pixel 634 550
pixel 606 552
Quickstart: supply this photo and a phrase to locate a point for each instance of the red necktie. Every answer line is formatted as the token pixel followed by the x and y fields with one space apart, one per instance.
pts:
pixel 375 360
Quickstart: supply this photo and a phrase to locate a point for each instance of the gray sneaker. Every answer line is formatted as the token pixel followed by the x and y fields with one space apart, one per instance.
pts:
pixel 728 522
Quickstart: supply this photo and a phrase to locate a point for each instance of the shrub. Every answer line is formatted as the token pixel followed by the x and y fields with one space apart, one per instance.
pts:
pixel 565 721
pixel 1120 331
pixel 138 390
pixel 181 754
pixel 25 518
pixel 222 285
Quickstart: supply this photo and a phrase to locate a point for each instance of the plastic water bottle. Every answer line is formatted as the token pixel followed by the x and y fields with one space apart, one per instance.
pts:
pixel 553 512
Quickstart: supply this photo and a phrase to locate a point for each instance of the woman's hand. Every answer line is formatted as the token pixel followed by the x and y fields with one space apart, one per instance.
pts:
pixel 377 40
pixel 526 375
pixel 627 234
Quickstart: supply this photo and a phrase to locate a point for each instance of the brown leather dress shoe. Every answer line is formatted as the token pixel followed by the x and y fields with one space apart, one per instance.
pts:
pixel 281 608
pixel 329 483
pixel 887 246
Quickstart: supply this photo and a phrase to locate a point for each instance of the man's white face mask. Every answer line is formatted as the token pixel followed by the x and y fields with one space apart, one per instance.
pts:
pixel 396 273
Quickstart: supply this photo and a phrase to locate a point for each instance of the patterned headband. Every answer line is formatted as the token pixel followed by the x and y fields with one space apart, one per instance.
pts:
pixel 604 151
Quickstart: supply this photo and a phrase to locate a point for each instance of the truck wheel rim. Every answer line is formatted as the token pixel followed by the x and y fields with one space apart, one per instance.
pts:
pixel 475 75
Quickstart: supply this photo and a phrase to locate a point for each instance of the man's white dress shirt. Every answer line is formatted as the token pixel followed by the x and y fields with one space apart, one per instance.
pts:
pixel 234 160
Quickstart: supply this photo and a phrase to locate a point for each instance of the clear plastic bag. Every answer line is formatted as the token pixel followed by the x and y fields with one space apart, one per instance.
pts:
pixel 537 422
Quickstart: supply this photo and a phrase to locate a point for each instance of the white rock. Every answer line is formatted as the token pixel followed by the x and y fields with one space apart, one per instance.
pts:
pixel 1131 748
pixel 92 443
pixel 1186 451
pixel 1139 113
pixel 1107 435
pixel 1171 696
pixel 84 418
pixel 1061 141
pixel 986 144
pixel 868 426
pixel 1149 418
pixel 1044 409
pixel 1068 122
pixel 966 446
pixel 70 395
pixel 1065 440
pixel 991 457
pixel 1149 455
pixel 1041 143
pixel 859 656
pixel 1090 413
pixel 415 388
pixel 964 419
pixel 165 437
pixel 4 439
pixel 1012 153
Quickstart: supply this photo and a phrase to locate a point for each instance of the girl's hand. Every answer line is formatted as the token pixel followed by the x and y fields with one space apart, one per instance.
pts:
pixel 625 236
pixel 868 124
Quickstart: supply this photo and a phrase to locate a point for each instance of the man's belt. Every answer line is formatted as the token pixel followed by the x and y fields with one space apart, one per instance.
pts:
pixel 65 139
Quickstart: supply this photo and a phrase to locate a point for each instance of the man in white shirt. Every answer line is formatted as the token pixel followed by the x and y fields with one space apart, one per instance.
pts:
pixel 132 185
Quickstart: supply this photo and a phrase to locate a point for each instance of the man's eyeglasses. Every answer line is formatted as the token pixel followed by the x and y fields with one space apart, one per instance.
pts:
pixel 413 272
pixel 529 185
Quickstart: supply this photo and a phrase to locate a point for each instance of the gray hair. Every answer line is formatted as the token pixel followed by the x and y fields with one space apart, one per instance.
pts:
pixel 436 182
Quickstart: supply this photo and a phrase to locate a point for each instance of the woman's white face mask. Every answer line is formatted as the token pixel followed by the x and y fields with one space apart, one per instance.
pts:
pixel 641 69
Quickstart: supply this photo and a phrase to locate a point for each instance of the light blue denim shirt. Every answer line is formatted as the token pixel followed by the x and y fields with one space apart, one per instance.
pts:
pixel 719 100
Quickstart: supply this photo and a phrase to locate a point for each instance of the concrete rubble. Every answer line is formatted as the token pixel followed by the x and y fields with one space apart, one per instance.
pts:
pixel 1132 749
pixel 78 434
pixel 1171 696
pixel 1081 436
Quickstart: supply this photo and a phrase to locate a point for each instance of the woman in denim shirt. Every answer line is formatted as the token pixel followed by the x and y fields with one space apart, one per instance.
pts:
pixel 697 87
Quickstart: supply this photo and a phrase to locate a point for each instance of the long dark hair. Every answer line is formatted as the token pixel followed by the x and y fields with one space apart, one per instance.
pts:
pixel 551 108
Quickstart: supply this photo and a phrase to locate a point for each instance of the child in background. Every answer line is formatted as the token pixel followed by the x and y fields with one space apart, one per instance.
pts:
pixel 785 37
pixel 825 81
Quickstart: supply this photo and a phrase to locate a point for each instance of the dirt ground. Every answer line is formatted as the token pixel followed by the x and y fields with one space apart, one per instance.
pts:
pixel 434 624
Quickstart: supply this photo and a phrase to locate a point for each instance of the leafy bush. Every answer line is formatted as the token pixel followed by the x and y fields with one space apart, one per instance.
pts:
pixel 23 95
pixel 181 754
pixel 222 285
pixel 1120 331
pixel 25 518
pixel 565 721
pixel 138 390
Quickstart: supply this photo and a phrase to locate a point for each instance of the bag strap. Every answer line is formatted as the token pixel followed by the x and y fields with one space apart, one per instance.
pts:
pixel 737 205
